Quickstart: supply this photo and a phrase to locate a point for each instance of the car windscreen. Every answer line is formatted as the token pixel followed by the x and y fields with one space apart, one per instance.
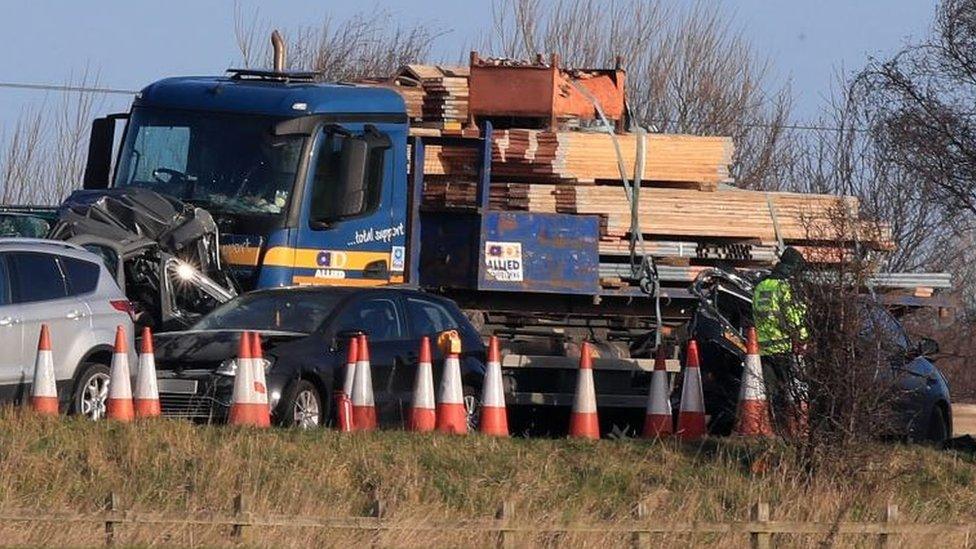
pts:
pixel 227 163
pixel 287 311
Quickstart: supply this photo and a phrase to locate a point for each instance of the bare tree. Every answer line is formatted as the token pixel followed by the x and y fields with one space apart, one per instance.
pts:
pixel 368 44
pixel 924 96
pixel 848 157
pixel 43 156
pixel 689 71
pixel 21 157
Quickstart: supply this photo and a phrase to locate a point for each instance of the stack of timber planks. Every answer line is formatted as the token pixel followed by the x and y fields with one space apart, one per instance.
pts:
pixel 436 96
pixel 589 157
pixel 688 214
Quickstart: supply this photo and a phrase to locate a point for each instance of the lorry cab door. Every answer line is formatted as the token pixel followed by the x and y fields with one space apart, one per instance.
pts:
pixel 351 231
pixel 11 338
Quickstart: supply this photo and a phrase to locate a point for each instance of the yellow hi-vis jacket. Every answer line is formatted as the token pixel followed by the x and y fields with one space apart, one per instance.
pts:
pixel 777 317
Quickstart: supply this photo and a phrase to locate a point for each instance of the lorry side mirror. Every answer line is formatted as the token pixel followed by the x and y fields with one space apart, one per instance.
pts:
pixel 100 146
pixel 352 177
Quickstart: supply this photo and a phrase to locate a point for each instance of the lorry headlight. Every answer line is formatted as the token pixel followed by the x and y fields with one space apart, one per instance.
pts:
pixel 229 367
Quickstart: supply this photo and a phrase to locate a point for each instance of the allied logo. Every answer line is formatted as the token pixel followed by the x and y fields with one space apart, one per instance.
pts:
pixel 332 260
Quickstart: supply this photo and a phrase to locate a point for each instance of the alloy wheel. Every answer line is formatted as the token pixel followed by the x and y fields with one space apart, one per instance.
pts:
pixel 472 406
pixel 307 412
pixel 94 395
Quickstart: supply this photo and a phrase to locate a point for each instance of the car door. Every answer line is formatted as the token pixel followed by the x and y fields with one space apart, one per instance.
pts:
pixel 106 308
pixel 428 318
pixel 909 376
pixel 11 338
pixel 40 292
pixel 381 319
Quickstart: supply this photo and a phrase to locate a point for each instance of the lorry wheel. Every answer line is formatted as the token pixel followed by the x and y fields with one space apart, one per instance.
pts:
pixel 302 406
pixel 938 430
pixel 91 391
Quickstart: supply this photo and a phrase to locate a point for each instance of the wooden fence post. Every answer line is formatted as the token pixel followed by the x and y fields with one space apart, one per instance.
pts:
pixel 506 538
pixel 240 510
pixel 760 514
pixel 378 511
pixel 189 487
pixel 641 540
pixel 111 505
pixel 891 516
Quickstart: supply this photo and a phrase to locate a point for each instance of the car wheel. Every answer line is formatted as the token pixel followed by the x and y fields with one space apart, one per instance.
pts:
pixel 938 430
pixel 91 391
pixel 472 407
pixel 302 407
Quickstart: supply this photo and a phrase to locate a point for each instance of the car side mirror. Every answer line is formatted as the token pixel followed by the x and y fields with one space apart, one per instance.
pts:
pixel 927 347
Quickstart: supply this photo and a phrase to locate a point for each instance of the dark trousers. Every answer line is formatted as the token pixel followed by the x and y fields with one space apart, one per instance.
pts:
pixel 782 387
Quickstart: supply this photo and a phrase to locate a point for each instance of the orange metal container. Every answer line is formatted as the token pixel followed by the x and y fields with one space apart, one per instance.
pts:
pixel 540 90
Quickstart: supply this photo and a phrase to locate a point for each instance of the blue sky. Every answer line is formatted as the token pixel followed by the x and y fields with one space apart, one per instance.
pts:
pixel 131 43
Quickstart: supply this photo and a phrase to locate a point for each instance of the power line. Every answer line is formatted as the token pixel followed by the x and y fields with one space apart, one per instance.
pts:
pixel 803 127
pixel 120 91
pixel 61 88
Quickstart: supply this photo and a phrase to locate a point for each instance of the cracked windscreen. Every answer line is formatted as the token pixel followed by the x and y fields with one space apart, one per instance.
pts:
pixel 227 163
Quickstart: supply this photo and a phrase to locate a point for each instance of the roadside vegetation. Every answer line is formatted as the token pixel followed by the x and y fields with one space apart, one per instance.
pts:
pixel 71 465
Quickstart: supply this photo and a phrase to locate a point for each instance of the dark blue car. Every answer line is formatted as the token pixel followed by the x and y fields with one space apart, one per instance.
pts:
pixel 304 332
pixel 922 409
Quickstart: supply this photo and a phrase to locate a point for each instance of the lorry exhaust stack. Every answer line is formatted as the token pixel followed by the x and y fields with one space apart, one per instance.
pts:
pixel 278 43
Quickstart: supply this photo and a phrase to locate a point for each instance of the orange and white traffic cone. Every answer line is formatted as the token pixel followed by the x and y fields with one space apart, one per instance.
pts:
pixel 260 379
pixel 250 398
pixel 584 423
pixel 657 417
pixel 452 417
pixel 423 416
pixel 494 419
pixel 691 415
pixel 119 403
pixel 146 399
pixel 44 390
pixel 344 397
pixel 752 417
pixel 363 405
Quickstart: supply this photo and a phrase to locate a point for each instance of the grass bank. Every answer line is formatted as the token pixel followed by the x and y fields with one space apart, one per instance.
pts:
pixel 67 464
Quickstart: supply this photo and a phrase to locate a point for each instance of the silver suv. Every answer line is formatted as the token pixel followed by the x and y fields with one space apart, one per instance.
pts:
pixel 70 290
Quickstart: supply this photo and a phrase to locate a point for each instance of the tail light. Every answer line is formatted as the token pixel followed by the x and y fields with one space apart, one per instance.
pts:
pixel 124 306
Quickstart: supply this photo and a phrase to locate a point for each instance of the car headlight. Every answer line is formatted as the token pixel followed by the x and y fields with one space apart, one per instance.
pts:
pixel 229 367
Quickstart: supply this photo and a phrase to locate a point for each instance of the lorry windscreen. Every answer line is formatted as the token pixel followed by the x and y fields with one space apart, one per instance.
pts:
pixel 227 163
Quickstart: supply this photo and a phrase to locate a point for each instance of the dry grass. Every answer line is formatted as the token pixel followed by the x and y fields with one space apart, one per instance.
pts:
pixel 172 466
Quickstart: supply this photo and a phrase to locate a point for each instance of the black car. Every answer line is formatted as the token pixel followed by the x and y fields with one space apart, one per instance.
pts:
pixel 304 333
